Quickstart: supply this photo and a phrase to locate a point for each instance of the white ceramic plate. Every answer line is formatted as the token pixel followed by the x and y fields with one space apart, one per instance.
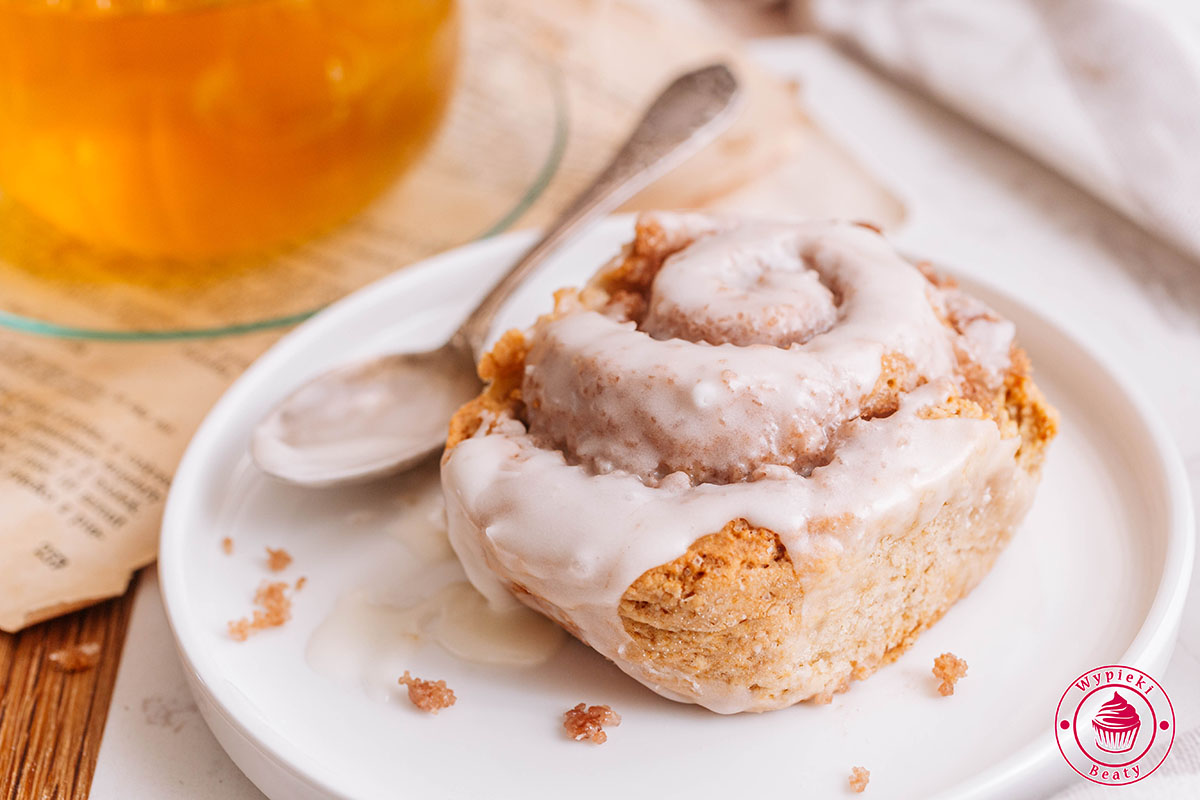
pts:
pixel 1096 575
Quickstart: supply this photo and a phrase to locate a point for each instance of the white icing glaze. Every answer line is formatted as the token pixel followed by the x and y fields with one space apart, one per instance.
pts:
pixel 374 630
pixel 615 400
pixel 987 337
pixel 738 287
pixel 421 524
pixel 372 643
pixel 577 526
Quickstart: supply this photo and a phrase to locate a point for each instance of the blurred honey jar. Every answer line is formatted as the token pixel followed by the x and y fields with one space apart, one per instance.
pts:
pixel 187 129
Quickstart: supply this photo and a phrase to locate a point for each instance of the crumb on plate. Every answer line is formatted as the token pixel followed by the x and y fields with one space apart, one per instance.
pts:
pixel 431 696
pixel 303 579
pixel 278 559
pixel 948 668
pixel 859 778
pixel 76 657
pixel 274 609
pixel 227 546
pixel 587 722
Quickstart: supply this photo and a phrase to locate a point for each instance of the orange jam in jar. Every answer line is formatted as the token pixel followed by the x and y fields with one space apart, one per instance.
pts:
pixel 189 129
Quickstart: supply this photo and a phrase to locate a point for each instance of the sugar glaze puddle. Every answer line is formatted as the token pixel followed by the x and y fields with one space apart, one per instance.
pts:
pixel 369 638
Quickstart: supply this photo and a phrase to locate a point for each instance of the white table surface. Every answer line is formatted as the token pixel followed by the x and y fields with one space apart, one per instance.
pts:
pixel 972 200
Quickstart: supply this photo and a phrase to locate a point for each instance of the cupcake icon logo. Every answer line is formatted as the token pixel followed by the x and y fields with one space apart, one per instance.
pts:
pixel 1114 725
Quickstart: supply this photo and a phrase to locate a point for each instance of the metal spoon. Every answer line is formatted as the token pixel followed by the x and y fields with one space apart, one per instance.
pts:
pixel 384 415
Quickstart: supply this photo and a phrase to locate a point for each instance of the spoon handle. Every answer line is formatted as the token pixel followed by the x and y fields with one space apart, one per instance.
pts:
pixel 686 116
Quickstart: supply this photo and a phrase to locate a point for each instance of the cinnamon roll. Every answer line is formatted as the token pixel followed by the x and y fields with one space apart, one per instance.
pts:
pixel 750 460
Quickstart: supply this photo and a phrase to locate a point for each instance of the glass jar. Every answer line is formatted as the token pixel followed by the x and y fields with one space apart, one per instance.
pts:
pixel 189 129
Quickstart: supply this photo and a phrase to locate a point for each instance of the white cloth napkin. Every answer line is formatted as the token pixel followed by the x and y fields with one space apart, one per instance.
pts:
pixel 1105 91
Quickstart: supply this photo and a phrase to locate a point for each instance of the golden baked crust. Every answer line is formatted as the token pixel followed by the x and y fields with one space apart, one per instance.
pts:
pixel 736 608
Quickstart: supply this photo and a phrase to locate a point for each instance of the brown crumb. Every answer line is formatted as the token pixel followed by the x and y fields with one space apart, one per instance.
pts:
pixel 587 722
pixel 227 546
pixel 278 560
pixel 274 609
pixel 431 696
pixel 300 582
pixel 948 668
pixel 76 657
pixel 871 226
pixel 859 778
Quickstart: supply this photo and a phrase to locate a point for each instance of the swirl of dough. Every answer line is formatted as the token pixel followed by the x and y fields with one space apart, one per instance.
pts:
pixel 756 346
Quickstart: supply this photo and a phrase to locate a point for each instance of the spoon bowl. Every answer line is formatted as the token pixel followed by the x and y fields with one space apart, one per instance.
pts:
pixel 366 420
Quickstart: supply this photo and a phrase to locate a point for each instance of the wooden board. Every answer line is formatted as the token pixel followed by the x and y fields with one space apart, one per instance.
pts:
pixel 51 722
